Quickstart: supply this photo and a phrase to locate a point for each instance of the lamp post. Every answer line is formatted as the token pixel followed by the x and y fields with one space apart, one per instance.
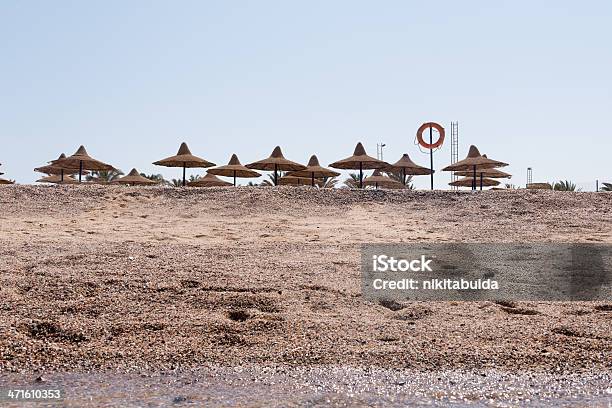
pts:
pixel 379 150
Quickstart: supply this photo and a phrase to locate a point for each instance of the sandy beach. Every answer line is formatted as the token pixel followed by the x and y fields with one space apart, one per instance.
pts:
pixel 153 279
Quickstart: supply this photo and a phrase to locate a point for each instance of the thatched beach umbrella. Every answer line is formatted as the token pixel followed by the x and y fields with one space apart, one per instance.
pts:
pixel 409 168
pixel 209 180
pixel 469 182
pixel 3 181
pixel 294 181
pixel 276 162
pixel 134 179
pixel 473 162
pixel 234 169
pixel 489 173
pixel 184 159
pixel 81 161
pixel 58 179
pixel 55 170
pixel 359 161
pixel 314 170
pixel 377 179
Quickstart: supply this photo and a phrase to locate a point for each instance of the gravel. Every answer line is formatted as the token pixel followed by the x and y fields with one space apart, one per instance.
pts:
pixel 131 280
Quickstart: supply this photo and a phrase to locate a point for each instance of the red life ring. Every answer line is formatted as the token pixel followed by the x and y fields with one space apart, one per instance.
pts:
pixel 427 125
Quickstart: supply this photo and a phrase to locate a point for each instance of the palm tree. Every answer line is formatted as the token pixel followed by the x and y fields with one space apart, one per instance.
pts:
pixel 397 176
pixel 155 177
pixel 327 182
pixel 270 181
pixel 176 182
pixel 510 186
pixel 194 178
pixel 267 183
pixel 352 181
pixel 564 185
pixel 104 176
pixel 606 187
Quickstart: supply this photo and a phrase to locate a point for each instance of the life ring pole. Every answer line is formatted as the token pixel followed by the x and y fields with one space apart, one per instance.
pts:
pixel 431 145
pixel 431 155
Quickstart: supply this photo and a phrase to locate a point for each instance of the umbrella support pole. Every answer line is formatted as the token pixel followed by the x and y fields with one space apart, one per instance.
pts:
pixel 480 181
pixel 275 175
pixel 403 176
pixel 183 174
pixel 431 156
pixel 234 178
pixel 312 179
pixel 474 180
pixel 80 170
pixel 360 175
pixel 62 176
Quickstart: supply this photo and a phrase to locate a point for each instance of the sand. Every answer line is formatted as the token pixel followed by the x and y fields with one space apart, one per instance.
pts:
pixel 131 279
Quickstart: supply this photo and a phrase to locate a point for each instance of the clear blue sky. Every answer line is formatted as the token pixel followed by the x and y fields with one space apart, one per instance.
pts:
pixel 530 82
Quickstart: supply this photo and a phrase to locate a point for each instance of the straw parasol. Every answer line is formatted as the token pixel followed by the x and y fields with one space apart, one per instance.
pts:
pixel 409 168
pixel 81 161
pixel 474 161
pixel 52 169
pixel 359 161
pixel 234 169
pixel 209 180
pixel 489 173
pixel 57 179
pixel 4 181
pixel 184 159
pixel 295 181
pixel 469 182
pixel 276 162
pixel 377 179
pixel 134 179
pixel 314 170
pixel 474 158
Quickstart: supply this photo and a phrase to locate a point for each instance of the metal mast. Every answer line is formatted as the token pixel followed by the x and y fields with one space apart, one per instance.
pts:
pixel 454 133
pixel 529 176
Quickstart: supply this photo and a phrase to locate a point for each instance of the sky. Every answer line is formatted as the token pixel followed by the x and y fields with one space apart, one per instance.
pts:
pixel 530 82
